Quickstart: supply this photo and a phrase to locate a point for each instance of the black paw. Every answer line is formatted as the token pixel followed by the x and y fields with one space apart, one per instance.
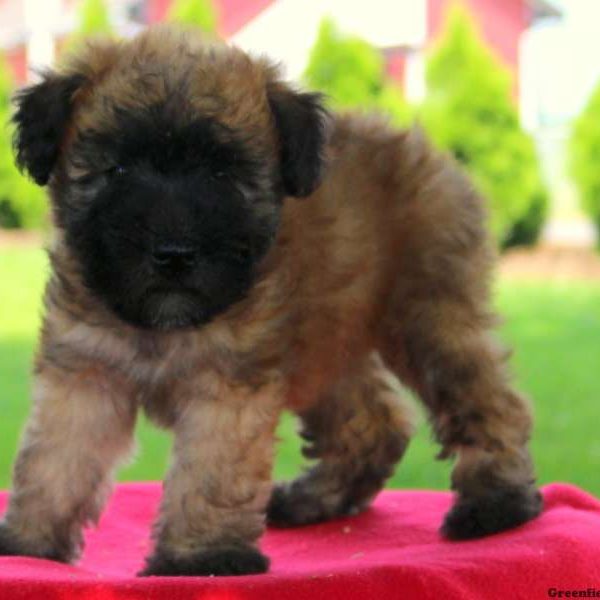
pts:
pixel 477 516
pixel 227 560
pixel 280 511
pixel 294 505
pixel 289 506
pixel 8 544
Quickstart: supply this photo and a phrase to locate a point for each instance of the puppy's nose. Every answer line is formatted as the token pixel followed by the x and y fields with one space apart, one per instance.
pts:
pixel 174 257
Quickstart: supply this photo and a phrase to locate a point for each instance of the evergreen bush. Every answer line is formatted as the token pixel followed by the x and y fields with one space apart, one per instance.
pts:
pixel 22 203
pixel 201 13
pixel 351 73
pixel 469 111
pixel 584 157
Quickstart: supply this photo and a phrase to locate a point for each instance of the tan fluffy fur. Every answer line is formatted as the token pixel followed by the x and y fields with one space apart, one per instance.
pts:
pixel 383 272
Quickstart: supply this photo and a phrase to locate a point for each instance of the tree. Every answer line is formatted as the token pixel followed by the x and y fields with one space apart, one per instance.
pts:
pixel 22 203
pixel 201 13
pixel 94 18
pixel 469 112
pixel 352 74
pixel 584 157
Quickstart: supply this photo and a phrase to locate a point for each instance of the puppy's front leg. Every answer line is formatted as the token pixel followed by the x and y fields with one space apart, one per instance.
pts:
pixel 81 423
pixel 216 493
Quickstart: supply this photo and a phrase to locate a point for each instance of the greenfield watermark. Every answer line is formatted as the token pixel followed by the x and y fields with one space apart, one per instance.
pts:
pixel 590 592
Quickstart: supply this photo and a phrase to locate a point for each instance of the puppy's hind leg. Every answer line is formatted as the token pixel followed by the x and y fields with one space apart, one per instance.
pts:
pixel 358 431
pixel 443 350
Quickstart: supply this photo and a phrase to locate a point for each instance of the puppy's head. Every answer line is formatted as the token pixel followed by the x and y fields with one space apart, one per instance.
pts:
pixel 168 158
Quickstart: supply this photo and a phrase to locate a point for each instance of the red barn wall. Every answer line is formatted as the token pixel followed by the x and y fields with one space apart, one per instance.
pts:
pixel 395 65
pixel 500 21
pixel 17 61
pixel 156 10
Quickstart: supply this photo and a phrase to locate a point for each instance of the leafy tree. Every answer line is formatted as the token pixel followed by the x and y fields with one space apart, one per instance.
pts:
pixel 527 228
pixel 352 74
pixel 469 112
pixel 201 13
pixel 22 203
pixel 94 18
pixel 584 157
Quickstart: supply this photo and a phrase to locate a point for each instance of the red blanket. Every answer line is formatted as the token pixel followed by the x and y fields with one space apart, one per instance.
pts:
pixel 391 551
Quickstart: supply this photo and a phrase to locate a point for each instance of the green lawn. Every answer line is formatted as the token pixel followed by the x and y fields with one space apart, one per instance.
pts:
pixel 555 330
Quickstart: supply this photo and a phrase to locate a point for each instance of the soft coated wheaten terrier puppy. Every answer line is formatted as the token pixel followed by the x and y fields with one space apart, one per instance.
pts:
pixel 225 249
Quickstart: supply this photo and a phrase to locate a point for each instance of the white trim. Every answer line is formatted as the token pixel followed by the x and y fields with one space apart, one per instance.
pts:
pixel 415 87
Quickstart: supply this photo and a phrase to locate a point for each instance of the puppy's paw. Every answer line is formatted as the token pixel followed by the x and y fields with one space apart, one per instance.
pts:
pixel 297 504
pixel 226 560
pixel 9 546
pixel 498 510
pixel 291 506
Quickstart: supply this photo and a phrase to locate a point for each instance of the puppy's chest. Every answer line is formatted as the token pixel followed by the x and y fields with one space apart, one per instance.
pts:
pixel 153 359
pixel 143 358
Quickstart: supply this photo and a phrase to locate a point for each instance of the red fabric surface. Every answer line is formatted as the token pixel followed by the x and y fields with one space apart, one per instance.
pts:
pixel 391 551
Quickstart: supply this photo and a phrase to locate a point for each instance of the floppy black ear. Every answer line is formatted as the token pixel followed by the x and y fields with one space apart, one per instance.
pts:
pixel 302 122
pixel 42 113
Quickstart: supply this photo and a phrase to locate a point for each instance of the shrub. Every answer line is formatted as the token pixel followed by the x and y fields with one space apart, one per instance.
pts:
pixel 22 203
pixel 94 18
pixel 351 73
pixel 584 157
pixel 469 112
pixel 201 13
pixel 527 229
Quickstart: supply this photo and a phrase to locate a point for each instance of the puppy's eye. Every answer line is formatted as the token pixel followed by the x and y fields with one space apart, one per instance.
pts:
pixel 91 178
pixel 117 171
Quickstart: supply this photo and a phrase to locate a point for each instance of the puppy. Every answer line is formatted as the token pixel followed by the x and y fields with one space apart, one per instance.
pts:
pixel 225 249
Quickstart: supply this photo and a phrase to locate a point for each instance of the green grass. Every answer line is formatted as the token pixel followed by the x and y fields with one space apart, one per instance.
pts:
pixel 554 328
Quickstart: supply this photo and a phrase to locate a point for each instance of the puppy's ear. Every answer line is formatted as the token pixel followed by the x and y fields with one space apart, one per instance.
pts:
pixel 41 117
pixel 302 123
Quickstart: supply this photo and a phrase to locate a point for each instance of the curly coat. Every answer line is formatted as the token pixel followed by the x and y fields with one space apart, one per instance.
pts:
pixel 380 273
